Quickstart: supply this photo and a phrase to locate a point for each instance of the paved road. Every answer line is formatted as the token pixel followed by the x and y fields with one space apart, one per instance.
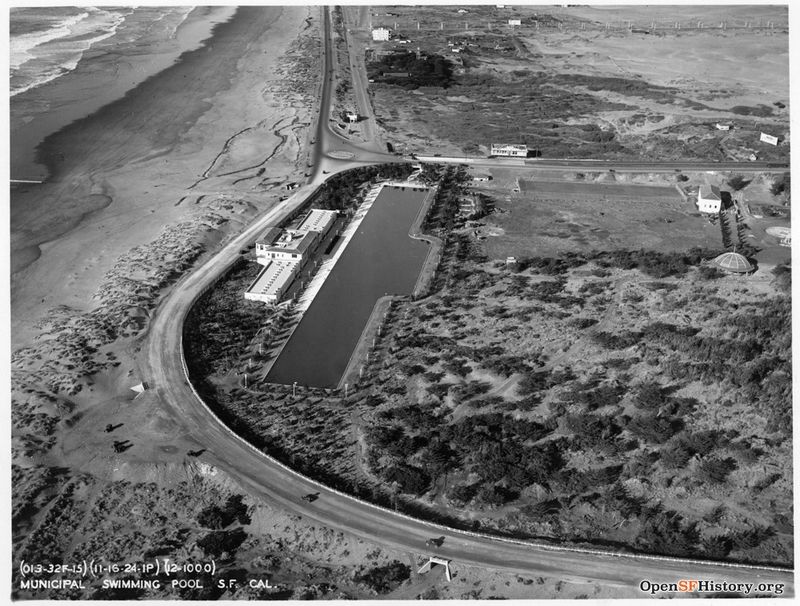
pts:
pixel 588 165
pixel 162 366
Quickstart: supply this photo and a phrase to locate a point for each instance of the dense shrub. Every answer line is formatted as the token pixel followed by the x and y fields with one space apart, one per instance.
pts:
pixel 714 469
pixel 384 578
pixel 410 479
pixel 737 182
pixel 781 185
pixel 216 517
pixel 222 541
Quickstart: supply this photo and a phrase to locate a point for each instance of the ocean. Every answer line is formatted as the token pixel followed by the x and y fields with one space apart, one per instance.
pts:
pixel 68 62
pixel 49 42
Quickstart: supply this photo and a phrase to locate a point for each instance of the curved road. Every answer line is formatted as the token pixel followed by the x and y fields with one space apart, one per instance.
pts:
pixel 162 367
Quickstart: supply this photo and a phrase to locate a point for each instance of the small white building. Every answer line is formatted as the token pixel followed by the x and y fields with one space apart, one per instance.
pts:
pixel 515 21
pixel 352 117
pixel 765 138
pixel 722 126
pixel 505 149
pixel 709 199
pixel 381 34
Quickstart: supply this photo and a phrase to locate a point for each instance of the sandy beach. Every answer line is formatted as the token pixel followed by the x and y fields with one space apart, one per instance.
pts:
pixel 118 175
pixel 199 140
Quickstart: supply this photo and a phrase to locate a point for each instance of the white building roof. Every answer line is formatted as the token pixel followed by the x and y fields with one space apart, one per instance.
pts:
pixel 733 262
pixel 273 278
pixel 709 192
pixel 510 147
pixel 317 220
pixel 269 236
pixel 293 241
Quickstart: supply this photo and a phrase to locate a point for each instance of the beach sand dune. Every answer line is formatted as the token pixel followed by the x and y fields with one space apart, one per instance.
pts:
pixel 204 126
pixel 138 191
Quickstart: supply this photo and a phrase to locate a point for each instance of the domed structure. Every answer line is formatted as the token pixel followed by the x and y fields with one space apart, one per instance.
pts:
pixel 732 262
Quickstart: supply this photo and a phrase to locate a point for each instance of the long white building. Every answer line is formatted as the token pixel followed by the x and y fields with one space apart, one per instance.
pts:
pixel 509 149
pixel 273 282
pixel 284 253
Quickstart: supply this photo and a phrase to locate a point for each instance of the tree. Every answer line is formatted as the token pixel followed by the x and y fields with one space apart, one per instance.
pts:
pixel 716 470
pixel 461 494
pixel 717 546
pixel 783 277
pixel 738 182
pixel 216 517
pixel 781 185
pixel 385 578
pixel 221 542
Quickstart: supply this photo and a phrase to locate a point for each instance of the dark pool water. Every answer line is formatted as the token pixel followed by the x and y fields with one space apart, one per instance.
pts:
pixel 380 259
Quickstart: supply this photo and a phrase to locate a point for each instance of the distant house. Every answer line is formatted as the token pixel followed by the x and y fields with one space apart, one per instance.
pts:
pixel 709 199
pixel 504 149
pixel 352 117
pixel 723 126
pixel 515 21
pixel 482 178
pixel 462 11
pixel 381 33
pixel 765 138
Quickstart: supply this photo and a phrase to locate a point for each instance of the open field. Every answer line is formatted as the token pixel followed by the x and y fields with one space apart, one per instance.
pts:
pixel 567 87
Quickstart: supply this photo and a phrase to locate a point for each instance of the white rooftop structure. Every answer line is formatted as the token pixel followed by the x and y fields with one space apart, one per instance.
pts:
pixel 506 149
pixel 771 139
pixel 272 282
pixel 380 33
pixel 709 200
pixel 318 220
pixel 733 262
pixel 284 253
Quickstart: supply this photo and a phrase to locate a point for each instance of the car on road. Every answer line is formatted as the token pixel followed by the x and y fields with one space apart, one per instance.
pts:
pixel 434 542
pixel 311 497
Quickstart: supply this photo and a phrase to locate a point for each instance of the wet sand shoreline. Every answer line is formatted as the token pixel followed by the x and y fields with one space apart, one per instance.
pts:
pixel 118 173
